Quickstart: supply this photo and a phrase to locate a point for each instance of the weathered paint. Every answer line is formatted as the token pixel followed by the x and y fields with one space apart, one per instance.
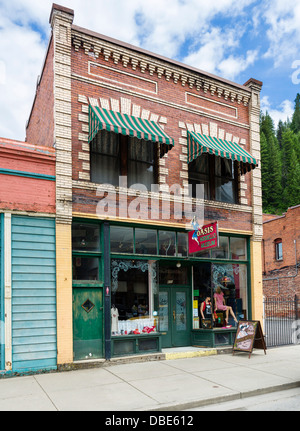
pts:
pixel 33 294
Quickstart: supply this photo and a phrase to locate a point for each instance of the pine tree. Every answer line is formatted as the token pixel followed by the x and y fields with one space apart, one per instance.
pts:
pixel 295 125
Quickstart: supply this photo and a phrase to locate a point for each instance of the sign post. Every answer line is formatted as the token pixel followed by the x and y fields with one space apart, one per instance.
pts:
pixel 249 335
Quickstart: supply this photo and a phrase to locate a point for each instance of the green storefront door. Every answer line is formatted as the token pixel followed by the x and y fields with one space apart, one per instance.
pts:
pixel 87 323
pixel 174 316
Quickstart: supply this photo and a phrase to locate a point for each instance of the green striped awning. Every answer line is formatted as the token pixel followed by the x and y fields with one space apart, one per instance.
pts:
pixel 103 119
pixel 199 144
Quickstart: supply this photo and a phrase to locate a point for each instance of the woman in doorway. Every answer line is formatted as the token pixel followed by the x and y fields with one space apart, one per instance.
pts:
pixel 220 304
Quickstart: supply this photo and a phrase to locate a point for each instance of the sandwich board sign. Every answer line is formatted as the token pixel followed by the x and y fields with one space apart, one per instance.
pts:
pixel 249 335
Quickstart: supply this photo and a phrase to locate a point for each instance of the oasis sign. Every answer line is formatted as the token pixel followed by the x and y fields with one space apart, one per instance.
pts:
pixel 203 238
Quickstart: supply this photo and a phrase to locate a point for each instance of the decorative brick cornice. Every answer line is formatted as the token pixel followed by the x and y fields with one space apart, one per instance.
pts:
pixel 133 59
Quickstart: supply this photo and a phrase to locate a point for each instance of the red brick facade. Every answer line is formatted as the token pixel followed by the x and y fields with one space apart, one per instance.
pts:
pixel 27 177
pixel 281 276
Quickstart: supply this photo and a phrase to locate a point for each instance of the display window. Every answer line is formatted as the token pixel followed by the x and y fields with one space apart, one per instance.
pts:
pixel 133 289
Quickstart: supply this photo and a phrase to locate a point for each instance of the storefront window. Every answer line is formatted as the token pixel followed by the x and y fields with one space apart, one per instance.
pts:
pixel 222 251
pixel 121 239
pixel 145 241
pixel 167 243
pixel 182 244
pixel 85 268
pixel 238 248
pixel 230 278
pixel 133 288
pixel 85 237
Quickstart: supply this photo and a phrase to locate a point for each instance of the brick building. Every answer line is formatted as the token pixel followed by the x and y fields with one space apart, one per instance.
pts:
pixel 128 126
pixel 27 257
pixel 281 253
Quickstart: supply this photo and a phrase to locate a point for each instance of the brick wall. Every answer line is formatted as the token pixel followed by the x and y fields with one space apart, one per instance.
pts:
pixel 19 191
pixel 287 228
pixel 175 101
pixel 40 127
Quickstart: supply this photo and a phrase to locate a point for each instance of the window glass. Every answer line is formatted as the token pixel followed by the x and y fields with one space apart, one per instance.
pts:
pixel 182 244
pixel 224 181
pixel 85 268
pixel 222 251
pixel 105 158
pixel 231 281
pixel 121 239
pixel 278 250
pixel 145 241
pixel 199 175
pixel 141 162
pixel 173 275
pixel 85 237
pixel 167 243
pixel 133 289
pixel 238 248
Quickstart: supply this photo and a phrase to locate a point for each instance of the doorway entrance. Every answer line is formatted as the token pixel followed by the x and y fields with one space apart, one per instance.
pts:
pixel 174 316
pixel 87 323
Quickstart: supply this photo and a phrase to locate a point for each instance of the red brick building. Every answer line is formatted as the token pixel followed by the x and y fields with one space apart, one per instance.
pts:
pixel 281 253
pixel 128 126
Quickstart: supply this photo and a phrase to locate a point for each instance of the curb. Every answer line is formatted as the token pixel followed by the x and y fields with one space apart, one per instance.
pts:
pixel 222 399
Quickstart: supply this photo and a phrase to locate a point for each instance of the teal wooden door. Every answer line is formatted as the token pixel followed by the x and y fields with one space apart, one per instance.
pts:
pixel 175 316
pixel 87 323
pixel 33 294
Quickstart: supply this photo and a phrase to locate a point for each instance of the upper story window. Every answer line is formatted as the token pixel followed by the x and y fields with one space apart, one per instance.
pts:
pixel 278 249
pixel 219 177
pixel 114 155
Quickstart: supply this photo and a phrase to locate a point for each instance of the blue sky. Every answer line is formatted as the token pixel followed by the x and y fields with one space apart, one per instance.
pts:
pixel 234 39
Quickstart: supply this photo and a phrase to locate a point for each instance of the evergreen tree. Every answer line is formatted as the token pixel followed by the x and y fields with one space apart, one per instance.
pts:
pixel 295 125
pixel 271 166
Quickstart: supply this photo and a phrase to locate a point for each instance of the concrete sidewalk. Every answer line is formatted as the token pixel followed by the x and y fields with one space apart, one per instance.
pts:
pixel 170 384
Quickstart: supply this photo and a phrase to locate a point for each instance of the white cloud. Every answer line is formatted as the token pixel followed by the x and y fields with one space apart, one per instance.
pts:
pixel 283 112
pixel 282 18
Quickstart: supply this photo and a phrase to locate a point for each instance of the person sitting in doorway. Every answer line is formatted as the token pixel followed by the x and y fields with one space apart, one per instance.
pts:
pixel 220 304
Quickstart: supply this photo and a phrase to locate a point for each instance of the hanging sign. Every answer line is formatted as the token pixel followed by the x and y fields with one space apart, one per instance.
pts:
pixel 249 335
pixel 203 238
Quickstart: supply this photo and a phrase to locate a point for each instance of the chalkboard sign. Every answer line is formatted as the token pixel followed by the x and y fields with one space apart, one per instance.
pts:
pixel 248 336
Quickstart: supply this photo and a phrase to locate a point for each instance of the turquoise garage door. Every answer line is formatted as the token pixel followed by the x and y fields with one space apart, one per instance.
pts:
pixel 33 294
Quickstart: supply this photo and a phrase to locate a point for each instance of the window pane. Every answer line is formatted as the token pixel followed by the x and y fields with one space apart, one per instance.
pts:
pixel 199 174
pixel 141 162
pixel 225 190
pixel 121 239
pixel 224 167
pixel 85 237
pixel 278 246
pixel 167 243
pixel 105 158
pixel 85 268
pixel 222 251
pixel 173 275
pixel 182 244
pixel 232 279
pixel 238 248
pixel 145 241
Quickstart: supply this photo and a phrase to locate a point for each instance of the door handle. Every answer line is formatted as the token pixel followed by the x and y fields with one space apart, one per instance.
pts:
pixel 174 315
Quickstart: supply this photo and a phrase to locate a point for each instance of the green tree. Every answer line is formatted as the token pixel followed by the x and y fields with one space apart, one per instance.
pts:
pixel 295 125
